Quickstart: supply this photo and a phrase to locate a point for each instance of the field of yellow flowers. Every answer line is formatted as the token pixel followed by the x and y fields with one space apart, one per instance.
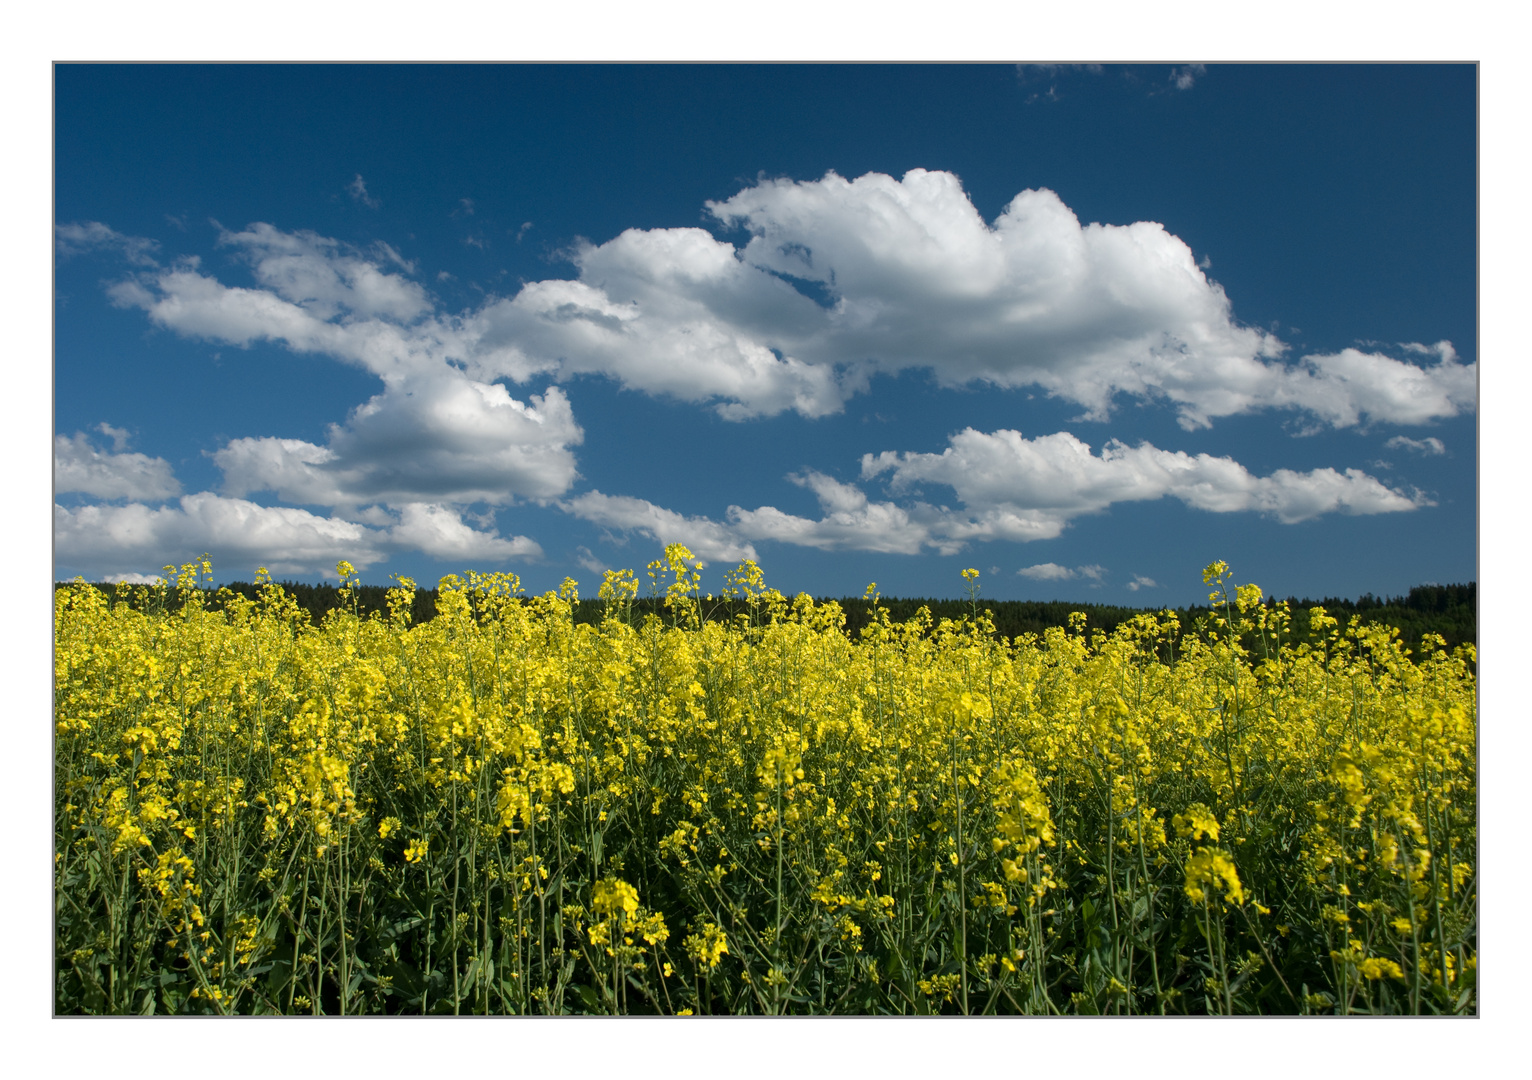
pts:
pixel 501 811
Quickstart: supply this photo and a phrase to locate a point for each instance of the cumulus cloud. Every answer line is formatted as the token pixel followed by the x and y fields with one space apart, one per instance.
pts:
pixel 851 522
pixel 841 278
pixel 241 535
pixel 440 431
pixel 1029 489
pixel 1430 446
pixel 1048 571
pixel 1141 582
pixel 707 539
pixel 1342 388
pixel 1010 488
pixel 444 438
pixel 237 534
pixel 132 579
pixel 439 531
pixel 675 312
pixel 316 295
pixel 838 279
pixel 326 278
pixel 80 467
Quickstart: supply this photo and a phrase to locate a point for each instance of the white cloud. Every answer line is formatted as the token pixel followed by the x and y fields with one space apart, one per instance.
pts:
pixel 440 431
pixel 440 532
pixel 327 278
pixel 673 311
pixel 444 438
pixel 587 559
pixel 241 535
pixel 79 237
pixel 1182 78
pixel 1141 582
pixel 851 522
pixel 1048 571
pixel 707 539
pixel 1341 388
pixel 80 467
pixel 1026 489
pixel 1430 446
pixel 132 579
pixel 358 191
pixel 1010 488
pixel 119 436
pixel 841 278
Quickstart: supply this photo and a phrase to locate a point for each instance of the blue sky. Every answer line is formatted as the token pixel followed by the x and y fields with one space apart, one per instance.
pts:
pixel 1086 329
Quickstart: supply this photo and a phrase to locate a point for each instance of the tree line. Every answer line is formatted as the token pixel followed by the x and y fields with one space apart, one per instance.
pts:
pixel 1448 610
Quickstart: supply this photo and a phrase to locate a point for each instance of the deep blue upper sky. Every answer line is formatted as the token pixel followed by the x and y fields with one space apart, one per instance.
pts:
pixel 248 254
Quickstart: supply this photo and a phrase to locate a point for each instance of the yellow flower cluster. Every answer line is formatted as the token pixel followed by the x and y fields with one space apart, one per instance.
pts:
pixel 504 810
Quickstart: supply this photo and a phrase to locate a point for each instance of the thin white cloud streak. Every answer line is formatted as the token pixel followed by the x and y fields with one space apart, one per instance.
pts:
pixel 241 535
pixel 1048 571
pixel 1430 446
pixel 587 559
pixel 79 467
pixel 707 539
pixel 79 237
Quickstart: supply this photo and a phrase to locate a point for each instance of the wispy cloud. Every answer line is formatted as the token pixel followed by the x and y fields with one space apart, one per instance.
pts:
pixel 1183 78
pixel 707 539
pixel 79 237
pixel 1430 446
pixel 357 189
pixel 589 561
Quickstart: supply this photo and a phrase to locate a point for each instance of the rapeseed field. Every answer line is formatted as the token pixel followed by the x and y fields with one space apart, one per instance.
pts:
pixel 502 811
